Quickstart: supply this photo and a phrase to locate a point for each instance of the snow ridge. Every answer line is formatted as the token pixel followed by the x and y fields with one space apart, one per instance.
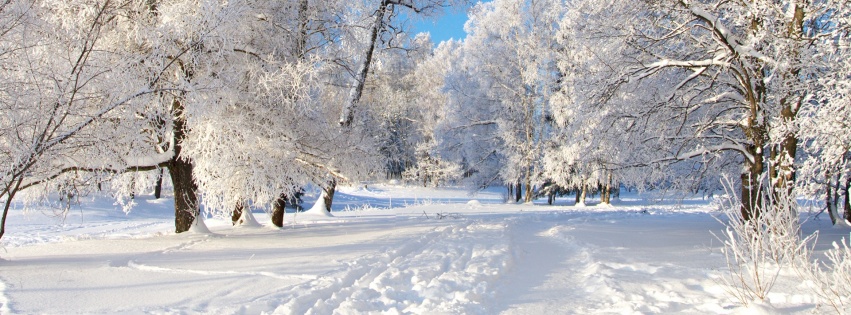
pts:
pixel 143 267
pixel 449 270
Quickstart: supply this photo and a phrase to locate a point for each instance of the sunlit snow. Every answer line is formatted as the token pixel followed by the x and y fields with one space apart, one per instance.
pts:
pixel 423 251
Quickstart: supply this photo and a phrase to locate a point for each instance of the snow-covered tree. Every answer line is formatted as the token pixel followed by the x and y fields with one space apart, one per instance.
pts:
pixel 731 77
pixel 382 14
pixel 508 54
pixel 466 132
pixel 68 84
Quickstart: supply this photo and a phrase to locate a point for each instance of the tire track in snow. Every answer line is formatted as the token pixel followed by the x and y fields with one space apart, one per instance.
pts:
pixel 449 270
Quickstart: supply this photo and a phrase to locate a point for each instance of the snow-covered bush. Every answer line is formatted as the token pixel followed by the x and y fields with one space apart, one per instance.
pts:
pixel 757 249
pixel 831 279
pixel 431 168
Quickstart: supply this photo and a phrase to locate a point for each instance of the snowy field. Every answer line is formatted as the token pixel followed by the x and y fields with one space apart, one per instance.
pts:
pixel 423 251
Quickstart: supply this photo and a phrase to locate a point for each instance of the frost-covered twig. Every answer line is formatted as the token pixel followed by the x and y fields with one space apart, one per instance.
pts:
pixel 757 249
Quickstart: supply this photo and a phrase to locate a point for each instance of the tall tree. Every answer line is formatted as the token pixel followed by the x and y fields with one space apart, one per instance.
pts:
pixel 62 97
pixel 737 76
pixel 512 44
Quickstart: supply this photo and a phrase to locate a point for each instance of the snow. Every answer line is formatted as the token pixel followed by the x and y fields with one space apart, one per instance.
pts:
pixel 481 256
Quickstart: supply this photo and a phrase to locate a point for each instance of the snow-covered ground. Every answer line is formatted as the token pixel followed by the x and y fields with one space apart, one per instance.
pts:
pixel 387 249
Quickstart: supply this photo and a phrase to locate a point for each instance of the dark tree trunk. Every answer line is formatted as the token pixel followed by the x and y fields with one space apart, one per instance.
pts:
pixel 328 193
pixel 237 213
pixel 158 188
pixel 829 200
pixel 185 198
pixel 578 195
pixel 550 198
pixel 518 191
pixel 751 190
pixel 606 194
pixel 301 45
pixel 278 210
pixel 10 195
pixel 847 205
pixel 530 190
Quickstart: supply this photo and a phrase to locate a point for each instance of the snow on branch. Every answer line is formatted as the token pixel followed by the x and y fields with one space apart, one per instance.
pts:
pixel 727 37
pixel 716 148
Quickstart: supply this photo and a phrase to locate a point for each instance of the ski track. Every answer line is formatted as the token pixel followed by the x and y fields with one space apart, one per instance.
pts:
pixel 448 270
pixel 608 286
pixel 185 245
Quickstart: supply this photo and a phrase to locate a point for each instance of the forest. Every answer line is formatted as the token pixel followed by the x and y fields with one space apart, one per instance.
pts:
pixel 243 104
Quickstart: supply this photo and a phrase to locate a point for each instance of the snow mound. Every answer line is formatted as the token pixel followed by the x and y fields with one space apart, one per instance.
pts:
pixel 199 227
pixel 247 220
pixel 318 209
pixel 474 204
pixel 318 212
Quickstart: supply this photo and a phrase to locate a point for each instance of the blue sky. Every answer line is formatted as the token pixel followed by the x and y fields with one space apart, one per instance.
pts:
pixel 449 25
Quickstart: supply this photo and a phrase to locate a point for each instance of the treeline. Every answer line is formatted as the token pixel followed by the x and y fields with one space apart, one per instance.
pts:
pixel 243 103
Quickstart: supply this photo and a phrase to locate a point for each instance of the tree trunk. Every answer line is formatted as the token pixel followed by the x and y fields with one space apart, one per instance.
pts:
pixel 578 195
pixel 237 213
pixel 185 198
pixel 829 200
pixel 847 205
pixel 347 115
pixel 328 193
pixel 10 195
pixel 584 194
pixel 530 191
pixel 278 210
pixel 751 185
pixel 550 198
pixel 158 188
pixel 783 171
pixel 518 191
pixel 301 44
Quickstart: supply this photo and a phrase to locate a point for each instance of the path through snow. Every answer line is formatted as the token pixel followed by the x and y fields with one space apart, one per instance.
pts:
pixel 482 257
pixel 447 270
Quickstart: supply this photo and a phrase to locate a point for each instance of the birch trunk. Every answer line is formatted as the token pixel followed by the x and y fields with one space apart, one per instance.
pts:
pixel 347 114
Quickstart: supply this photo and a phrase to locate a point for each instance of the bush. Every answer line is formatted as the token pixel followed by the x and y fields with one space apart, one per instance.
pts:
pixel 758 248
